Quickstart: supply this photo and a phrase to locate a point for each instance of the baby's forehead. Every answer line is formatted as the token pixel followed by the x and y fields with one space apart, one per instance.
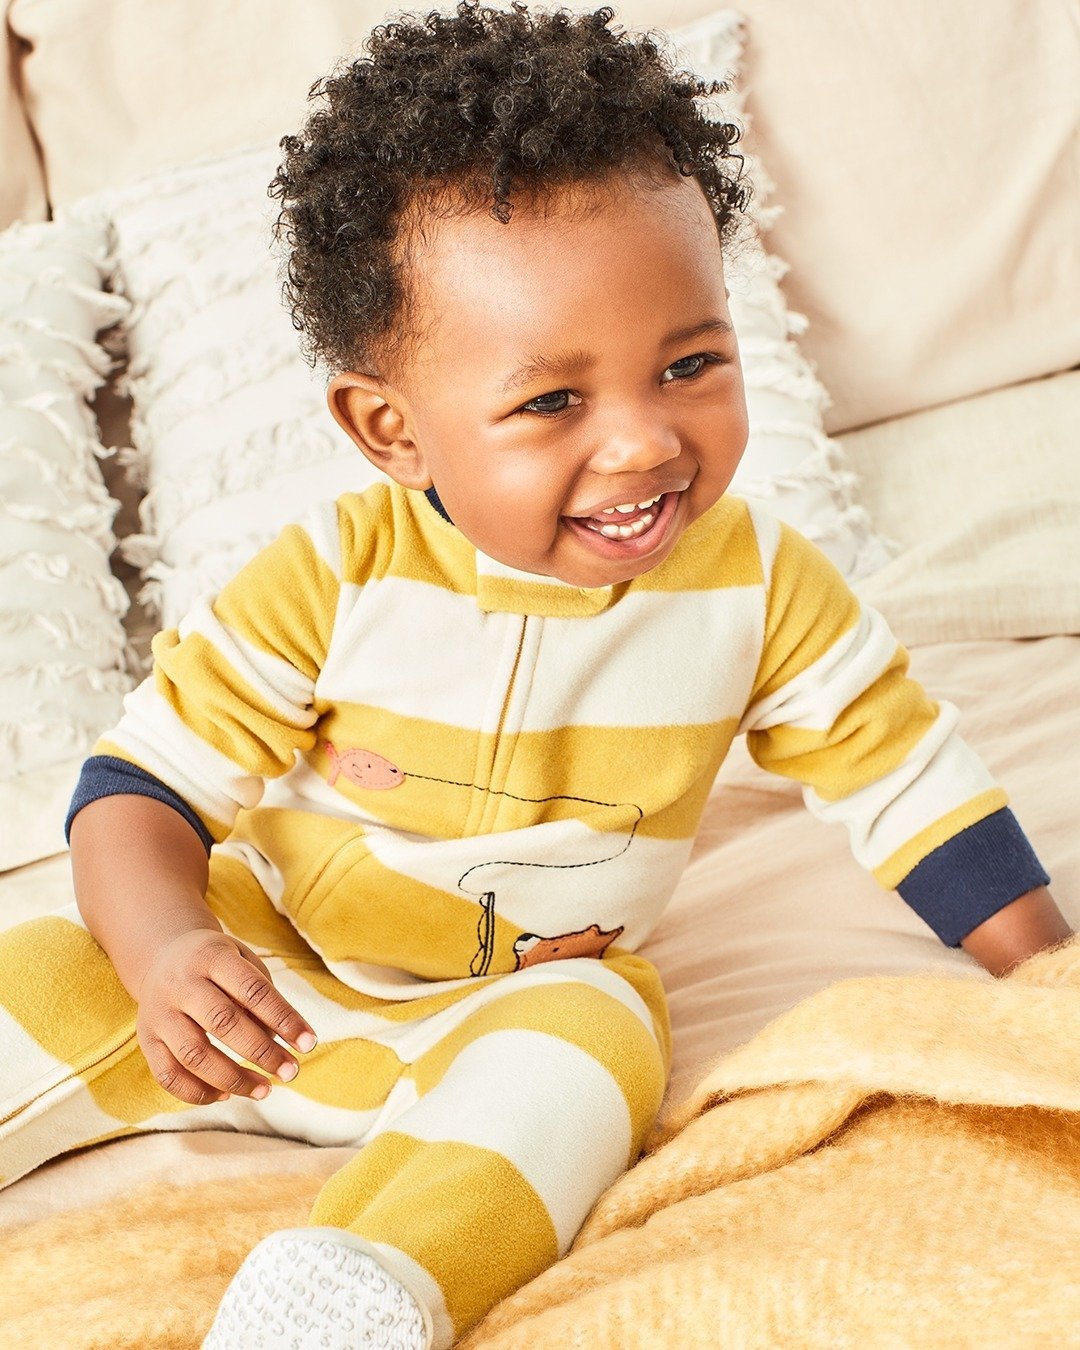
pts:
pixel 578 224
pixel 564 275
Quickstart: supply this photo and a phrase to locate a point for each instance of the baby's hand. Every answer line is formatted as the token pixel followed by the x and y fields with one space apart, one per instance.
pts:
pixel 206 981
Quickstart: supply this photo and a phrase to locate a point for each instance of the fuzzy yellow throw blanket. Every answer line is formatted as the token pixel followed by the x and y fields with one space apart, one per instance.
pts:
pixel 894 1162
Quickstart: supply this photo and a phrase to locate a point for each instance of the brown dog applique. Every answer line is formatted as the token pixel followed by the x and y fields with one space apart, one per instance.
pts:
pixel 530 950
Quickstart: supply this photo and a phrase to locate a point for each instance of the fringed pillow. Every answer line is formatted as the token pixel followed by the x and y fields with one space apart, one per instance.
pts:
pixel 62 645
pixel 231 435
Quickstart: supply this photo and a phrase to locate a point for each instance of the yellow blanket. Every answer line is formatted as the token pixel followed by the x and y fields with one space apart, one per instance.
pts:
pixel 894 1162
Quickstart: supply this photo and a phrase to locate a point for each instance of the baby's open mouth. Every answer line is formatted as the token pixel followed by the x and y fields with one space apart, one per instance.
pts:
pixel 626 521
pixel 629 530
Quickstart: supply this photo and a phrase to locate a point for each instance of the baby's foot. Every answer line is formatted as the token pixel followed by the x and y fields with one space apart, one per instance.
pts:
pixel 315 1287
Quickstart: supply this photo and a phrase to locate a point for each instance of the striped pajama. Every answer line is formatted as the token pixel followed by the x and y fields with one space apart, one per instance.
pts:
pixel 487 1118
pixel 445 801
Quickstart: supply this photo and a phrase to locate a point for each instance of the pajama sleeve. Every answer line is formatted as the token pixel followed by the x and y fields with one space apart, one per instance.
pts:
pixel 231 697
pixel 833 707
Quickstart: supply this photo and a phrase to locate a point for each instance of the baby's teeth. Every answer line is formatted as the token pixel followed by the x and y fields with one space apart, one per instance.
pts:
pixel 627 531
pixel 628 507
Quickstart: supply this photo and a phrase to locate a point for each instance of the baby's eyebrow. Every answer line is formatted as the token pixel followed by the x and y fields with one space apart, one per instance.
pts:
pixel 578 360
pixel 535 366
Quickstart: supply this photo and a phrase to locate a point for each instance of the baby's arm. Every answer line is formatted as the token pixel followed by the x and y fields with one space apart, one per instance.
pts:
pixel 140 874
pixel 229 703
pixel 834 708
pixel 1026 926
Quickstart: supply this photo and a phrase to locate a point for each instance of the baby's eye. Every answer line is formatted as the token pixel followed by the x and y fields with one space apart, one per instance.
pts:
pixel 687 367
pixel 556 402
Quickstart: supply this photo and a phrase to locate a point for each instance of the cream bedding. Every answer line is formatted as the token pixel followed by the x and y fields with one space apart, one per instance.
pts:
pixel 770 910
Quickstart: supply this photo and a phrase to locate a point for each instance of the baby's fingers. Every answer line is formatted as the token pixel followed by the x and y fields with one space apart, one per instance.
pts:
pixel 188 1066
pixel 220 1015
pixel 255 993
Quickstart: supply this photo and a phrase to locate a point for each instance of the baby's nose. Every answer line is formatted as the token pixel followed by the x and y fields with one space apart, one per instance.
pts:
pixel 636 448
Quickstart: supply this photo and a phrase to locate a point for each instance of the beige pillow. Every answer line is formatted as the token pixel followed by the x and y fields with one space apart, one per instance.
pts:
pixel 22 182
pixel 984 497
pixel 928 159
pixel 116 89
pixel 926 155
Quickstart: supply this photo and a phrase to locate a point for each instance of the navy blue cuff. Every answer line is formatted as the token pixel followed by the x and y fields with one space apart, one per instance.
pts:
pixel 108 776
pixel 973 875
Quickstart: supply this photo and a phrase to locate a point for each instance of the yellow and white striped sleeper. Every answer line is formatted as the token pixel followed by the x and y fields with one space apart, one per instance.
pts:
pixel 446 802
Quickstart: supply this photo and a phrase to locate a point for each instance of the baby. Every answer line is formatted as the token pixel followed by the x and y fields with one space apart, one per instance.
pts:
pixel 423 776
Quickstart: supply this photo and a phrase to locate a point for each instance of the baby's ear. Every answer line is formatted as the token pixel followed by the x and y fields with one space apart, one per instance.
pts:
pixel 376 418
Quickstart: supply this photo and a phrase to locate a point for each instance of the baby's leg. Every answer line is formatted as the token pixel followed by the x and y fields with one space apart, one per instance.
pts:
pixel 71 1071
pixel 529 1108
pixel 533 1095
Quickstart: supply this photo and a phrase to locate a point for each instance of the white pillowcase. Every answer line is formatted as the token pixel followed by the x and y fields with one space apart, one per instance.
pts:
pixel 232 438
pixel 62 644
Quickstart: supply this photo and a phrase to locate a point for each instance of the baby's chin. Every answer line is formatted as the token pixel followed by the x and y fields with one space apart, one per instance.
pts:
pixel 571 571
pixel 590 578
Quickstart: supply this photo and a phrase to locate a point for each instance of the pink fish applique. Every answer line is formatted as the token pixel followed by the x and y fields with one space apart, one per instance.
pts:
pixel 363 767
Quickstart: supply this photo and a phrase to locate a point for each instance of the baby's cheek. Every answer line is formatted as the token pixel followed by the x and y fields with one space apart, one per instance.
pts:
pixel 527 483
pixel 524 510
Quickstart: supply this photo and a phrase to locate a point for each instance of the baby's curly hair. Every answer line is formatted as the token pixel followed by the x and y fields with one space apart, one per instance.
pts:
pixel 455 112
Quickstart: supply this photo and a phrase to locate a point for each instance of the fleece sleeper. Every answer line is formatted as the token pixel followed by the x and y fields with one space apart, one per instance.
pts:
pixel 445 802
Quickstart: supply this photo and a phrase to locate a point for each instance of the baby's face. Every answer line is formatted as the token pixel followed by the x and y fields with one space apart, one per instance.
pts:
pixel 572 362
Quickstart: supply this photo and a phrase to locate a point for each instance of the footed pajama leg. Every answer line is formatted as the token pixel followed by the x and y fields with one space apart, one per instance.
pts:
pixel 527 1109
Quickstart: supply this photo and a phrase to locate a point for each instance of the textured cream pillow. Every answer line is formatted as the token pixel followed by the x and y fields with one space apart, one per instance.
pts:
pixel 926 155
pixel 231 434
pixel 62 670
pixel 984 497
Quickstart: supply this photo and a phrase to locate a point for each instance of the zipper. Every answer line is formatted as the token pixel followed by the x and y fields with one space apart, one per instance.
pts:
pixel 509 694
pixel 116 1044
pixel 482 778
pixel 481 962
